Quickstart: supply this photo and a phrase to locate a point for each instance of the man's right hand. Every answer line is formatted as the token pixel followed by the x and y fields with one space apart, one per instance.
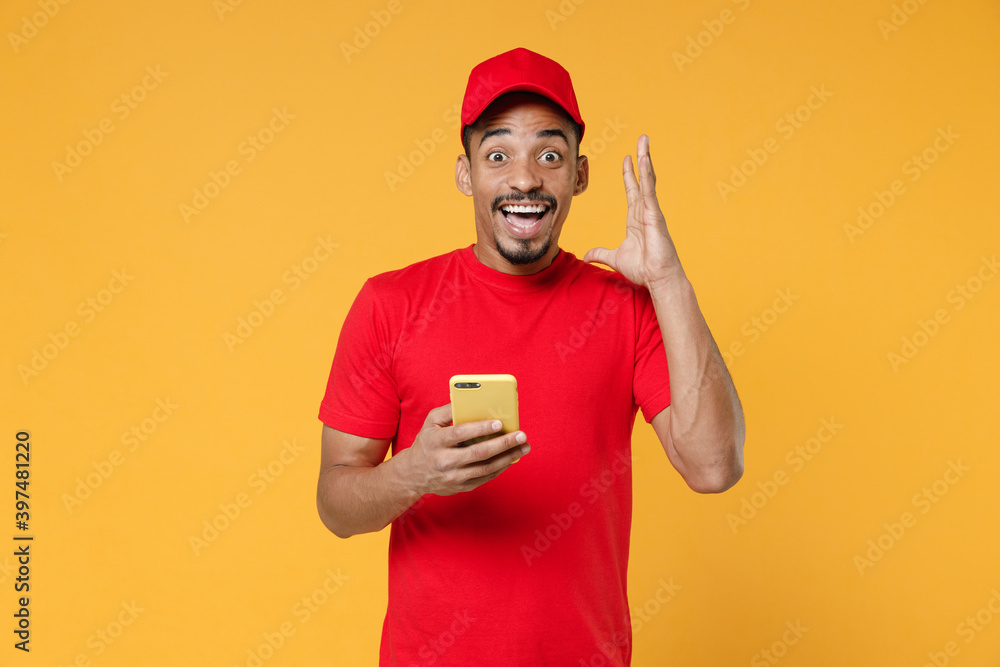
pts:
pixel 437 463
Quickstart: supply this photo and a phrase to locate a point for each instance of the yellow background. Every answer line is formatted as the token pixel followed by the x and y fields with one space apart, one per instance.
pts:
pixel 357 116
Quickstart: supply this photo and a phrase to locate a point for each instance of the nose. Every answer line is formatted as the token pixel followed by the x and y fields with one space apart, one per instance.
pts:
pixel 524 175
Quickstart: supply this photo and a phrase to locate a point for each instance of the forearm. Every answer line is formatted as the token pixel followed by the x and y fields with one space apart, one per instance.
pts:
pixel 706 420
pixel 364 499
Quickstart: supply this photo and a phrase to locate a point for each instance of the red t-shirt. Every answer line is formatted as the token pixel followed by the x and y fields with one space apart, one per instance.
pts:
pixel 529 568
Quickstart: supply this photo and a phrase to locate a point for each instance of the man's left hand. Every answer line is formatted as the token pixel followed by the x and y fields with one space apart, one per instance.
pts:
pixel 647 255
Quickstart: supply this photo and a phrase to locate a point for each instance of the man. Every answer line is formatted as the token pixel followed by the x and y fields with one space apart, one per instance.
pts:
pixel 491 564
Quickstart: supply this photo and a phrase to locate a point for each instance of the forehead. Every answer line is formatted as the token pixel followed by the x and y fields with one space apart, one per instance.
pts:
pixel 526 110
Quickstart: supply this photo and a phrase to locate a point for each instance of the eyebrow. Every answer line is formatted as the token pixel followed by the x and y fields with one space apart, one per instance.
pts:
pixel 492 133
pixel 554 132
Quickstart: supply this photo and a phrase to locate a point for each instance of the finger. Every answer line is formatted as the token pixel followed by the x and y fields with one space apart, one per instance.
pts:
pixel 601 255
pixel 488 470
pixel 476 482
pixel 650 201
pixel 439 416
pixel 642 146
pixel 649 158
pixel 482 470
pixel 647 177
pixel 460 433
pixel 632 193
pixel 510 445
pixel 508 456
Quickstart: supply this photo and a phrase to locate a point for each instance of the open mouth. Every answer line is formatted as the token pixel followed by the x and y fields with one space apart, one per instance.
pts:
pixel 524 220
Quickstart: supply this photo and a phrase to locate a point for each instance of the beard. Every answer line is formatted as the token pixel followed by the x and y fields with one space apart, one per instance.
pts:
pixel 519 251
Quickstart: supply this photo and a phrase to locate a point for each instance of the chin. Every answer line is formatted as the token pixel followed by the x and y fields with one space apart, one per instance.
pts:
pixel 523 251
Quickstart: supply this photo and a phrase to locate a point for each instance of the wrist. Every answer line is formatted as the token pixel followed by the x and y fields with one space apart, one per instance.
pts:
pixel 408 482
pixel 669 285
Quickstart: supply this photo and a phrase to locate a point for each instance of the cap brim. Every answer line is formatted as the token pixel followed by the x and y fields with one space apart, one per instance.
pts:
pixel 521 87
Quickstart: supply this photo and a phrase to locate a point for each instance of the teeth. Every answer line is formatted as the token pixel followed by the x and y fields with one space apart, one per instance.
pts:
pixel 537 208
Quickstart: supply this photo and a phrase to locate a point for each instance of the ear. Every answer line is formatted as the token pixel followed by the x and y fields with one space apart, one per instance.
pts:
pixel 582 175
pixel 463 175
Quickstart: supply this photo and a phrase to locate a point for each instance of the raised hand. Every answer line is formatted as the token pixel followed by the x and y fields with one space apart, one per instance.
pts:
pixel 647 255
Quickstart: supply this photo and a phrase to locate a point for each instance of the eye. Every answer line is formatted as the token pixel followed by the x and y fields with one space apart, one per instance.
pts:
pixel 550 156
pixel 495 156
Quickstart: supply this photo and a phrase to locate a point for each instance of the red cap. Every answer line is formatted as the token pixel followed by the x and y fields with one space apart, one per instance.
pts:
pixel 519 69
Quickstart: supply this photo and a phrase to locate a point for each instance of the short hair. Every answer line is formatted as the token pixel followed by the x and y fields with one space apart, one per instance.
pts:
pixel 577 129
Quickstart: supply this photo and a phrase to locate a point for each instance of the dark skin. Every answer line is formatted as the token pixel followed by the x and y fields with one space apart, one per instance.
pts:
pixel 359 490
pixel 521 147
pixel 523 151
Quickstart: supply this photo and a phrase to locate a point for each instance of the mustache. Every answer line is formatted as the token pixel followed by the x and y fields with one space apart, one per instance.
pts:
pixel 538 198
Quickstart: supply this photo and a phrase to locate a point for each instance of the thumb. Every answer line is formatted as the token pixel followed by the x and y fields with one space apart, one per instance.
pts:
pixel 439 416
pixel 602 255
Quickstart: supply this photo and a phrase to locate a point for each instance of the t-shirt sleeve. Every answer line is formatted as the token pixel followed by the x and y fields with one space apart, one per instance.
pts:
pixel 361 396
pixel 650 379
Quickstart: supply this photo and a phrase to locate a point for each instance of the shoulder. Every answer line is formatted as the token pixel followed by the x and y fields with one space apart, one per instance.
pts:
pixel 598 276
pixel 413 275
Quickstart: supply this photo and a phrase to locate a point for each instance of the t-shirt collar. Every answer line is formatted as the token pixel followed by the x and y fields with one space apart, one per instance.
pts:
pixel 506 281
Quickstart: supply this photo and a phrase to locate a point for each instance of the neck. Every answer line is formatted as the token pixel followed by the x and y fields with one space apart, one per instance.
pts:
pixel 492 258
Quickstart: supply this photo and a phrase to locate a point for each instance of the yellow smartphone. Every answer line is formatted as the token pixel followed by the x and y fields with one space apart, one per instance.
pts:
pixel 481 397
